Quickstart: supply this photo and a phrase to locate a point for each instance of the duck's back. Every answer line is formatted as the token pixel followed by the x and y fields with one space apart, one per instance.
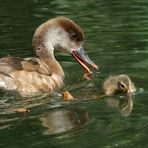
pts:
pixel 27 76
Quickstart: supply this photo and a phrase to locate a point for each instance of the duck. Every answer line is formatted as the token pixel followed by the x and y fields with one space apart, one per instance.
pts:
pixel 118 84
pixel 43 73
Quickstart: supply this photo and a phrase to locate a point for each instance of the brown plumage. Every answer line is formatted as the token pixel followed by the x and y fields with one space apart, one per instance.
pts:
pixel 32 75
pixel 118 84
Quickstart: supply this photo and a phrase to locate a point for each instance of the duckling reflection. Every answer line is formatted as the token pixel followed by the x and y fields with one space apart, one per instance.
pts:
pixel 63 120
pixel 125 105
pixel 118 84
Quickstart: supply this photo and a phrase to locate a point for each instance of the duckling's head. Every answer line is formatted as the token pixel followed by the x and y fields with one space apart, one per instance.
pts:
pixel 125 84
pixel 118 84
pixel 61 34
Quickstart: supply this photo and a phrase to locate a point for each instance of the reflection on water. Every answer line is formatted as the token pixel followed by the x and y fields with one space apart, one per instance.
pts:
pixel 59 121
pixel 124 104
pixel 116 39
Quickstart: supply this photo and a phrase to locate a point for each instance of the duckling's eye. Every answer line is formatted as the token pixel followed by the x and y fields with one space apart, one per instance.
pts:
pixel 122 86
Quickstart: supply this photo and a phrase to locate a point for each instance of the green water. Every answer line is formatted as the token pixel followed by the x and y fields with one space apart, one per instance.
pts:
pixel 116 38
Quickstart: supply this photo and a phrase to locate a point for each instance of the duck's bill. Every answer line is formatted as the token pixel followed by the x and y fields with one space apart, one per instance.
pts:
pixel 81 56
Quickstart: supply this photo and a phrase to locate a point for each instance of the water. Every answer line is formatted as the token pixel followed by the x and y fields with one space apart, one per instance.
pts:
pixel 116 39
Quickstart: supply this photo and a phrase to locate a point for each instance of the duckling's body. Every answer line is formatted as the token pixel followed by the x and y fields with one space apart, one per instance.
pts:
pixel 43 73
pixel 118 84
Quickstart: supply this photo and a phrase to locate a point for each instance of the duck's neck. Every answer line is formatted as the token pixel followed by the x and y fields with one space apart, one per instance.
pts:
pixel 47 56
pixel 44 48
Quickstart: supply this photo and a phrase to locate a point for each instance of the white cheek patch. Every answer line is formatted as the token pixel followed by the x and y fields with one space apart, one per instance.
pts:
pixel 49 45
pixel 57 36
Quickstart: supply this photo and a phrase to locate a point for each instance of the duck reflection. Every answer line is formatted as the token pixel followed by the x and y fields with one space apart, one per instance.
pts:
pixel 63 120
pixel 124 104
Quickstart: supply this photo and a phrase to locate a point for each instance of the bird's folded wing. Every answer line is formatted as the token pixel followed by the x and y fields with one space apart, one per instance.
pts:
pixel 11 64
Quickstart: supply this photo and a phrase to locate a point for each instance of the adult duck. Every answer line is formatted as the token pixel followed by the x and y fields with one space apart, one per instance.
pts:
pixel 43 73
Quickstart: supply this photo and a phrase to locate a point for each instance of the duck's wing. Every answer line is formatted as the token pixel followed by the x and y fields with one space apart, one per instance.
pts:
pixel 7 82
pixel 11 64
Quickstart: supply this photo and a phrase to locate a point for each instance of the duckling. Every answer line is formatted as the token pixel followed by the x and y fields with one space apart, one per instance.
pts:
pixel 118 84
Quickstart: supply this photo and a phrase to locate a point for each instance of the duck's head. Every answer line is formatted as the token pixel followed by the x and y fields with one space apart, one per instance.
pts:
pixel 125 84
pixel 64 35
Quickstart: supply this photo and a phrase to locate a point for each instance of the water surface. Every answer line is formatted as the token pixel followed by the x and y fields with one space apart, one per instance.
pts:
pixel 116 39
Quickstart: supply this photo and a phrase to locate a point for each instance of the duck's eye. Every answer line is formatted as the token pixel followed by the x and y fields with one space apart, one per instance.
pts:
pixel 74 35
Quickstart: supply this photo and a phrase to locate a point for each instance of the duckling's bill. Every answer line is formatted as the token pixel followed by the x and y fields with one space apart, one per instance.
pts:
pixel 81 56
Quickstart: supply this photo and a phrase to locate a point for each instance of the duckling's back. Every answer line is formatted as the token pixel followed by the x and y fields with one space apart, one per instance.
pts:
pixel 110 85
